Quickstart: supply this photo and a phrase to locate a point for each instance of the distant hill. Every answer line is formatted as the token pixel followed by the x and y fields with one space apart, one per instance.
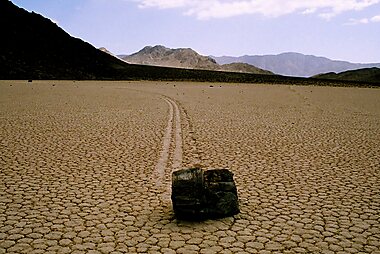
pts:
pixel 362 75
pixel 185 58
pixel 244 68
pixel 295 64
pixel 106 51
pixel 162 56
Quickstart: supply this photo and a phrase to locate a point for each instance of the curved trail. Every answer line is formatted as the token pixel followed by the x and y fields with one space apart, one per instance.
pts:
pixel 164 156
pixel 177 157
pixel 171 139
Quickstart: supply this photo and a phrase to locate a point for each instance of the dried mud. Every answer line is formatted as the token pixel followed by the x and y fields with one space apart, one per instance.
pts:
pixel 85 167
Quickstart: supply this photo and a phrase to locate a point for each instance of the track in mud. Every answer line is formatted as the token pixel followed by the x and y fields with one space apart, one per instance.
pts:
pixel 172 138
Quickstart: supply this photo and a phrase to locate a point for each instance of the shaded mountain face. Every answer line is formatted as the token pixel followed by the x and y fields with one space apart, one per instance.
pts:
pixel 295 64
pixel 185 58
pixel 33 47
pixel 363 75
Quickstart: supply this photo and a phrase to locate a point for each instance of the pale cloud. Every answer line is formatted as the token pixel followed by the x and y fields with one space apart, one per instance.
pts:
pixel 363 21
pixel 163 4
pixel 208 9
pixel 375 18
pixel 357 21
pixel 309 11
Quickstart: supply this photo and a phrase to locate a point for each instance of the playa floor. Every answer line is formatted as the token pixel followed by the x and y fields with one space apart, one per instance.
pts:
pixel 85 167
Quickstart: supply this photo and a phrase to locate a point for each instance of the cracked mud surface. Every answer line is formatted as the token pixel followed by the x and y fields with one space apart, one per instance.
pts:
pixel 85 167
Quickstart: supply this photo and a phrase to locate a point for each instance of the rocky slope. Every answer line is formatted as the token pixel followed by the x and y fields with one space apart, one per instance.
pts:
pixel 33 47
pixel 162 56
pixel 185 58
pixel 106 51
pixel 245 68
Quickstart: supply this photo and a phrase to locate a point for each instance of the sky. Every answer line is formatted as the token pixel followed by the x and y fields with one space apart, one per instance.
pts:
pixel 346 30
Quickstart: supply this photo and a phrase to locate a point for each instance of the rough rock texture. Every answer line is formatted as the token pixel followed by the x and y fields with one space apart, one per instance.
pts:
pixel 199 194
pixel 220 193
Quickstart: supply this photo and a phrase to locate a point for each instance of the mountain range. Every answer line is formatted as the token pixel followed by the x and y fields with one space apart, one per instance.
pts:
pixel 33 47
pixel 287 64
pixel 185 58
pixel 295 64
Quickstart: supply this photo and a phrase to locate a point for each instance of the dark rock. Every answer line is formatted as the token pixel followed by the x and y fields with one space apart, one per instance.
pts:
pixel 200 195
pixel 220 192
pixel 187 192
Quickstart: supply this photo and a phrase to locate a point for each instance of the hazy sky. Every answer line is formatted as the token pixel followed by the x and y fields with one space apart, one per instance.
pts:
pixel 338 29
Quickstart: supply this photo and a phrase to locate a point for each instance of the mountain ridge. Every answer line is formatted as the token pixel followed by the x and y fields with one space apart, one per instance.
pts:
pixel 365 74
pixel 185 58
pixel 106 51
pixel 162 56
pixel 295 64
pixel 34 47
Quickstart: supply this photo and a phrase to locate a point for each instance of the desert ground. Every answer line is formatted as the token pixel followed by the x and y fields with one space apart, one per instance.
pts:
pixel 85 167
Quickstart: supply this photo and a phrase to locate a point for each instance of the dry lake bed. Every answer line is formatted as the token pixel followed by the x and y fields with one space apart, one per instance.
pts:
pixel 85 167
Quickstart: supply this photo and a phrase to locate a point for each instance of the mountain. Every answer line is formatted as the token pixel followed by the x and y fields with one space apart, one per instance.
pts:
pixel 244 68
pixel 106 51
pixel 294 64
pixel 185 58
pixel 162 56
pixel 34 47
pixel 362 75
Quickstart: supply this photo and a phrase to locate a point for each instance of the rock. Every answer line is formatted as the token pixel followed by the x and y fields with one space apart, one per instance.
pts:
pixel 200 195
pixel 187 192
